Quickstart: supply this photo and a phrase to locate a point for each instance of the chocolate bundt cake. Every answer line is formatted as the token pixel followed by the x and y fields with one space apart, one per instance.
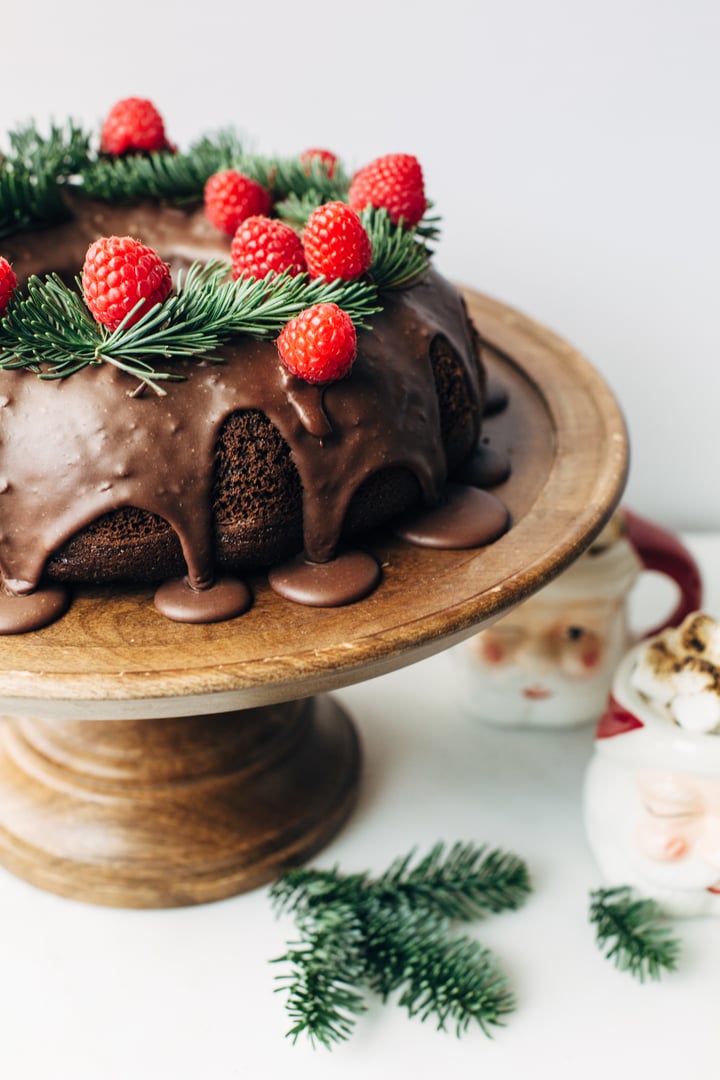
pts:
pixel 240 463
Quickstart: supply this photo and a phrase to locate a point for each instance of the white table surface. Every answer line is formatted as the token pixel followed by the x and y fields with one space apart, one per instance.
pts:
pixel 93 993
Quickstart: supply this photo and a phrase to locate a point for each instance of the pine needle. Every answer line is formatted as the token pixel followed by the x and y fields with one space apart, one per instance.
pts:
pixel 631 932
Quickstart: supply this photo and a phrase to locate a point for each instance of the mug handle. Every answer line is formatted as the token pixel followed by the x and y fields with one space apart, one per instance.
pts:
pixel 661 550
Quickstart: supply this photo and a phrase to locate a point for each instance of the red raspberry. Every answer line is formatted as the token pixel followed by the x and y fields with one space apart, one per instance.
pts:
pixel 118 272
pixel 320 345
pixel 231 197
pixel 8 283
pixel 324 157
pixel 133 124
pixel 393 182
pixel 336 244
pixel 262 245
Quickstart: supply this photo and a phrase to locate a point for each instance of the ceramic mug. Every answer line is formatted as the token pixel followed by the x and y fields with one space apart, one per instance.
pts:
pixel 652 788
pixel 551 660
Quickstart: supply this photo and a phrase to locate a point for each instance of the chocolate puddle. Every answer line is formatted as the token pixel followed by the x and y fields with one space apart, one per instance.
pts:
pixel 348 577
pixel 466 518
pixel 225 599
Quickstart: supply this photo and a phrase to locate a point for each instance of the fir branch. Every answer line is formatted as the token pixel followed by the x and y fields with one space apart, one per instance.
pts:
pixel 62 152
pixel 174 177
pixel 299 891
pixel 398 259
pixel 325 968
pixel 51 331
pixel 465 884
pixel 429 227
pixel 290 176
pixel 33 175
pixel 296 209
pixel 454 980
pixel 631 933
pixel 400 939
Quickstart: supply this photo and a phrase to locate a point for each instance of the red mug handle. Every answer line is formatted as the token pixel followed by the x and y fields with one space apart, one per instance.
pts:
pixel 662 551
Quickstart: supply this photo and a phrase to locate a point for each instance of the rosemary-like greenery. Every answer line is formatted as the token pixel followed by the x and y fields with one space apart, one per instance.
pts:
pixel 395 934
pixel 51 332
pixel 631 933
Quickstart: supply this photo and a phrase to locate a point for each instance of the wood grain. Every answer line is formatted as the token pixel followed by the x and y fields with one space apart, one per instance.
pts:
pixel 149 763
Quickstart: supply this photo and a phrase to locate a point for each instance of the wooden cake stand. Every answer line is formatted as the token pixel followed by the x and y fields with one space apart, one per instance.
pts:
pixel 146 763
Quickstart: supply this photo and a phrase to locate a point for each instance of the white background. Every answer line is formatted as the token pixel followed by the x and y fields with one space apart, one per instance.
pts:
pixel 572 148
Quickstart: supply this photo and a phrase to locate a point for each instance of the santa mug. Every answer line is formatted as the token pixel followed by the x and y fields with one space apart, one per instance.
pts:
pixel 652 789
pixel 550 662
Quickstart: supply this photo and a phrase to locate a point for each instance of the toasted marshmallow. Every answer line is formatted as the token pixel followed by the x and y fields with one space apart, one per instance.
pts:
pixel 680 670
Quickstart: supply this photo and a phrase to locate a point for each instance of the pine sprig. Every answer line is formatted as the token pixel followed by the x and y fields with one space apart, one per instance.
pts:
pixel 465 884
pixel 51 332
pixel 325 969
pixel 289 176
pixel 630 932
pixel 162 175
pixel 33 175
pixel 394 934
pixel 399 260
pixel 451 979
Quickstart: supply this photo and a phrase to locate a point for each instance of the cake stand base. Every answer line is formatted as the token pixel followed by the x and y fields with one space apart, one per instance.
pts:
pixel 173 811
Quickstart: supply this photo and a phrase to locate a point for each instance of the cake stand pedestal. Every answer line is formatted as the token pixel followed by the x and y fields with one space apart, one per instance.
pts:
pixel 146 763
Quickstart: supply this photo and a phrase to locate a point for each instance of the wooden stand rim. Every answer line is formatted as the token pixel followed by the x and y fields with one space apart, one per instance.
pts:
pixel 114 656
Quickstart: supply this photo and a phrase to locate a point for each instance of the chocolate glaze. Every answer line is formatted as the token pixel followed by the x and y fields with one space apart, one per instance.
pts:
pixel 224 599
pixel 466 518
pixel 75 449
pixel 348 577
pixel 496 395
pixel 20 614
pixel 486 468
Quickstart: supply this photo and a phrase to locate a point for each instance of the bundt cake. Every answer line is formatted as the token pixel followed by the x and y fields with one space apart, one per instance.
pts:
pixel 226 459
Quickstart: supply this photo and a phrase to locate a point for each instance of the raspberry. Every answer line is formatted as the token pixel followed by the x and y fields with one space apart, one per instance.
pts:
pixel 8 283
pixel 320 344
pixel 336 244
pixel 324 157
pixel 118 272
pixel 262 245
pixel 231 197
pixel 393 182
pixel 133 124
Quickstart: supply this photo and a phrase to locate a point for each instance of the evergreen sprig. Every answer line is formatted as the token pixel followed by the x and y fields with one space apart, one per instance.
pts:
pixel 283 176
pixel 394 934
pixel 162 175
pixel 399 259
pixel 51 332
pixel 325 970
pixel 33 174
pixel 630 931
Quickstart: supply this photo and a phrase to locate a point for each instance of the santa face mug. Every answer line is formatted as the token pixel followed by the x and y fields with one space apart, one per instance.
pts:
pixel 550 662
pixel 652 789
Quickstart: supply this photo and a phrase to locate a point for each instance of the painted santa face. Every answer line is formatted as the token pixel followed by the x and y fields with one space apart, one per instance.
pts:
pixel 547 664
pixel 657 831
pixel 679 828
